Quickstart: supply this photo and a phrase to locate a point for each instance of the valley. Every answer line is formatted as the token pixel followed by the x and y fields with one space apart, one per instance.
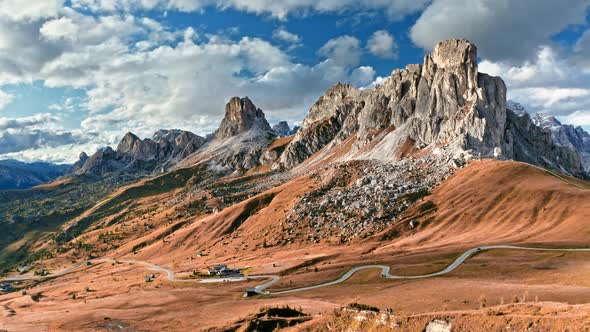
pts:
pixel 427 199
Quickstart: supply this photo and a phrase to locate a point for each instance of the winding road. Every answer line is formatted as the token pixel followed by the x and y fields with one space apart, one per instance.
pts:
pixel 261 289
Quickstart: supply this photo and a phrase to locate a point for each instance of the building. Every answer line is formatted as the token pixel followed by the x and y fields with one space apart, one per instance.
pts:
pixel 222 270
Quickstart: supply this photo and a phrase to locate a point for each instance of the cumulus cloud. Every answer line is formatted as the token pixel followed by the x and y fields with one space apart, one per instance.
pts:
pixel 362 76
pixel 344 50
pixel 503 30
pixel 141 76
pixel 286 36
pixel 35 133
pixel 27 122
pixel 41 137
pixel 18 10
pixel 382 44
pixel 548 83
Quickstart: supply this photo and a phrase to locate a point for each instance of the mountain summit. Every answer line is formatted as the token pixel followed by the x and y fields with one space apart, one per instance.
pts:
pixel 240 116
pixel 443 106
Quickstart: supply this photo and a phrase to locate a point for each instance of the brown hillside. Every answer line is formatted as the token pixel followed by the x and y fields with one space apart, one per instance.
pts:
pixel 505 203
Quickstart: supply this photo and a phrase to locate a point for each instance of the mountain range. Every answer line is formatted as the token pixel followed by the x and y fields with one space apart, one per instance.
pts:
pixel 412 174
pixel 19 175
pixel 443 106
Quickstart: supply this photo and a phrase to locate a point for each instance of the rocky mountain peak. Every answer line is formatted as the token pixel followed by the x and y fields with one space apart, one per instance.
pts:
pixel 143 156
pixel 545 121
pixel 443 106
pixel 443 102
pixel 240 115
pixel 83 157
pixel 127 143
pixel 282 129
pixel 454 52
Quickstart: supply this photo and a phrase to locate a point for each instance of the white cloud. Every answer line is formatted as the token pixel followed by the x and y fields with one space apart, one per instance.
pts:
pixel 344 50
pixel 362 76
pixel 382 44
pixel 31 138
pixel 286 36
pixel 547 66
pixel 5 99
pixel 548 83
pixel 18 10
pixel 27 122
pixel 62 28
pixel 578 118
pixel 141 76
pixel 501 29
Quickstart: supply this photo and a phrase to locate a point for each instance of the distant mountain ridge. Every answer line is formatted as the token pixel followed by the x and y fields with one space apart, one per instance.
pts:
pixel 143 156
pixel 283 130
pixel 20 175
pixel 236 145
pixel 571 137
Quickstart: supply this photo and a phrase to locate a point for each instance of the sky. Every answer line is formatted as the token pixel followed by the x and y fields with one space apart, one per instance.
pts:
pixel 76 75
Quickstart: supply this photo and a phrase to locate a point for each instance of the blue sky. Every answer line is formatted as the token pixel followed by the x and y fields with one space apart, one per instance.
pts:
pixel 76 75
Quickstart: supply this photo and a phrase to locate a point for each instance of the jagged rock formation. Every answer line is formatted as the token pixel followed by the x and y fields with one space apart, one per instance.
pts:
pixel 239 142
pixel 282 129
pixel 573 138
pixel 240 116
pixel 445 101
pixel 442 106
pixel 80 163
pixel 134 155
pixel 534 145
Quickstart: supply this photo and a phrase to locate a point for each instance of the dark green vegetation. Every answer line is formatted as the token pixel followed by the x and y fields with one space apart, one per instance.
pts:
pixel 26 216
pixel 362 307
pixel 116 204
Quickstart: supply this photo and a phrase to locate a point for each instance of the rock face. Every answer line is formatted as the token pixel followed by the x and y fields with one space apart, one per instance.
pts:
pixel 239 142
pixel 240 116
pixel 133 155
pixel 282 129
pixel 535 145
pixel 568 136
pixel 442 106
pixel 80 163
pixel 444 101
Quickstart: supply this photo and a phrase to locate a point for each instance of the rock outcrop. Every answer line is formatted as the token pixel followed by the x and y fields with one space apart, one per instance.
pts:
pixel 444 101
pixel 133 155
pixel 239 142
pixel 534 145
pixel 240 116
pixel 80 163
pixel 568 136
pixel 282 129
pixel 442 106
